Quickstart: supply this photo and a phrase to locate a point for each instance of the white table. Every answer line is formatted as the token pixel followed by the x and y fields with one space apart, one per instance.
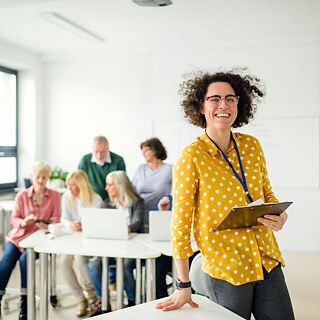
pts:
pixel 75 244
pixel 165 248
pixel 207 310
pixel 6 207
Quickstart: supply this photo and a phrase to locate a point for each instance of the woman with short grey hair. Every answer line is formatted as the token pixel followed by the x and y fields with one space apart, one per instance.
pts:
pixel 34 209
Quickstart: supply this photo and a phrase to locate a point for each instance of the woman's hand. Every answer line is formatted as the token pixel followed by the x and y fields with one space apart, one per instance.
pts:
pixel 274 222
pixel 164 204
pixel 178 299
pixel 76 226
pixel 29 219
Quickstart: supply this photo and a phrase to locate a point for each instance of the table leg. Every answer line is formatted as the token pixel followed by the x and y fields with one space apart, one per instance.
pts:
pixel 138 281
pixel 119 283
pixel 53 280
pixel 104 287
pixel 31 283
pixel 43 286
pixel 174 275
pixel 151 279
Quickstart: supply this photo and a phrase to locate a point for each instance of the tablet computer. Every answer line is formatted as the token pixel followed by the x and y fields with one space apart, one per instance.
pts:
pixel 242 217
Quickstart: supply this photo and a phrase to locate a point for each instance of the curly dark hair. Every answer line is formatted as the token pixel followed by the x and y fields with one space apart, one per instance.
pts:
pixel 247 87
pixel 156 146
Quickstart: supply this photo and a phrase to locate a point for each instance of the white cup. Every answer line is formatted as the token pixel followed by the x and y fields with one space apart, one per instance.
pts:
pixel 55 229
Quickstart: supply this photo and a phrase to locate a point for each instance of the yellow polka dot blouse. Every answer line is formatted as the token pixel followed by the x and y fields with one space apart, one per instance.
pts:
pixel 204 191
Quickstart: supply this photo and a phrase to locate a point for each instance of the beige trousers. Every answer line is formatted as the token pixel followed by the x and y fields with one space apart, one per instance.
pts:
pixel 78 280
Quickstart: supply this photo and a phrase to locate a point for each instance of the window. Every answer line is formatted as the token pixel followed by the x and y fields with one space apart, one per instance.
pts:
pixel 8 129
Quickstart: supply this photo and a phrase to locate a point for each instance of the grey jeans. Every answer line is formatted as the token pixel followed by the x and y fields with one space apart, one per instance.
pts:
pixel 267 299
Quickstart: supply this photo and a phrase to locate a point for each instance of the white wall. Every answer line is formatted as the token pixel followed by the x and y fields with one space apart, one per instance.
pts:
pixel 113 97
pixel 123 97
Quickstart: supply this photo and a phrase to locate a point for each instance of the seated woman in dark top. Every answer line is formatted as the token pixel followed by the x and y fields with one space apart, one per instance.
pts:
pixel 122 195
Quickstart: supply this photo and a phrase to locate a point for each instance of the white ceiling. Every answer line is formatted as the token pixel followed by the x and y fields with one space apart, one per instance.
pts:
pixel 131 29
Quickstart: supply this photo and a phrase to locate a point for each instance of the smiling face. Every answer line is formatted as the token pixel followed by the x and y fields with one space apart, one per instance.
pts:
pixel 220 116
pixel 148 154
pixel 111 188
pixel 39 180
pixel 73 187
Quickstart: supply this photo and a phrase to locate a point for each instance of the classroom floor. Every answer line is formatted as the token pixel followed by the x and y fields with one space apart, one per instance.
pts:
pixel 301 275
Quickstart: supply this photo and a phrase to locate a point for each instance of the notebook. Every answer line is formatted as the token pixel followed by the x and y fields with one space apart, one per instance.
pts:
pixel 160 225
pixel 105 223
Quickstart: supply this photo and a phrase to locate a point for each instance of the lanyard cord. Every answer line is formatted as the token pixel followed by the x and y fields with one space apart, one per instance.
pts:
pixel 243 179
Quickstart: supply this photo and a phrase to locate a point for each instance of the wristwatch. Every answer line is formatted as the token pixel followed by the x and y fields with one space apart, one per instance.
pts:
pixel 183 285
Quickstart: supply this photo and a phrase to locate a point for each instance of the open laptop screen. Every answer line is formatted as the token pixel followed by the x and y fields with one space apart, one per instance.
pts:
pixel 105 223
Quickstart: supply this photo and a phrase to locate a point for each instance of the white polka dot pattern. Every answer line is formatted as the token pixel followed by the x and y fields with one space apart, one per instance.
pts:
pixel 204 191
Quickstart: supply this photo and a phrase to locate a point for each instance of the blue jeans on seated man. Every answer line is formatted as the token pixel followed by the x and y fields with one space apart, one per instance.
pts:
pixel 11 255
pixel 95 273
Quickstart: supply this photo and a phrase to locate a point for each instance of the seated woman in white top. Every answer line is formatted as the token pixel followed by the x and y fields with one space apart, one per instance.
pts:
pixel 79 195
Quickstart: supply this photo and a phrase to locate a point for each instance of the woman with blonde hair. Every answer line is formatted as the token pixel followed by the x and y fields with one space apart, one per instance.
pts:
pixel 79 195
pixel 122 195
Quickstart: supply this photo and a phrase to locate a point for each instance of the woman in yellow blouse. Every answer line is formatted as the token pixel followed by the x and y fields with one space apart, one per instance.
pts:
pixel 218 171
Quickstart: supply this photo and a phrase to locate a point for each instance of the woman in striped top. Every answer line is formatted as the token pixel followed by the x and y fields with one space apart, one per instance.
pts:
pixel 153 179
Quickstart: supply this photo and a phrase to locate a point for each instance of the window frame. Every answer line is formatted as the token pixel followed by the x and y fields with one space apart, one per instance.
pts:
pixel 11 151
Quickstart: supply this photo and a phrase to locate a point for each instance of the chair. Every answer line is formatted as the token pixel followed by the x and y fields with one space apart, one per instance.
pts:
pixel 197 276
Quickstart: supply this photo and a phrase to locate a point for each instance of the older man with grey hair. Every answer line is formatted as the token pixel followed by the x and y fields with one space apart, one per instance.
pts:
pixel 99 163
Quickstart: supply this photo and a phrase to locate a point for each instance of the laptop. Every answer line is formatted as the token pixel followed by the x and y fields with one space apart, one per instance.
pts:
pixel 103 223
pixel 160 225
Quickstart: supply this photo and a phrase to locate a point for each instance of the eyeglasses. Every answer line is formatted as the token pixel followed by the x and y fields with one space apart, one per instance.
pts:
pixel 216 100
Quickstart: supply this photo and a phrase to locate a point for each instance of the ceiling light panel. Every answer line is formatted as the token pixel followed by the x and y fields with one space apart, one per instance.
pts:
pixel 65 24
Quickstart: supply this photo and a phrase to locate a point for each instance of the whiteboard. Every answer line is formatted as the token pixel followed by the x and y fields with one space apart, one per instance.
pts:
pixel 290 145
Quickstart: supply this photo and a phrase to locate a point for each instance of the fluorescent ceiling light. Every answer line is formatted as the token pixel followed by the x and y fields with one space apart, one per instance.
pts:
pixel 70 26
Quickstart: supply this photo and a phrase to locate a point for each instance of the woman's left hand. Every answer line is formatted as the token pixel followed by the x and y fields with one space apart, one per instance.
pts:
pixel 274 222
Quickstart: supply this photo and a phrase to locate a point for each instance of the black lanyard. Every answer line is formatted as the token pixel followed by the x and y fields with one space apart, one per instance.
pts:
pixel 243 179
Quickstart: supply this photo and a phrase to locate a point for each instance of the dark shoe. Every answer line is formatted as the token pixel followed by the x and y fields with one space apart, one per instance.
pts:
pixel 131 303
pixel 54 301
pixel 23 308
